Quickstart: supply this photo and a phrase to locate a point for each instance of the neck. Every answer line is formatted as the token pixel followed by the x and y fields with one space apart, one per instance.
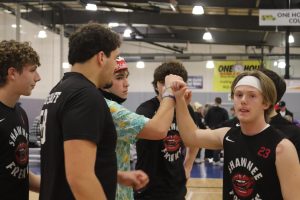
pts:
pixel 254 127
pixel 112 96
pixel 8 97
pixel 87 69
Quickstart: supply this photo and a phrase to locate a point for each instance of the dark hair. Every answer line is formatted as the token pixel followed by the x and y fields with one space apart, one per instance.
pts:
pixel 172 67
pixel 218 100
pixel 17 55
pixel 90 40
pixel 279 82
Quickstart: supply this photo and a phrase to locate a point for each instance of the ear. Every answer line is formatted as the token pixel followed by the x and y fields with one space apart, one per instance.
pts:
pixel 100 58
pixel 11 73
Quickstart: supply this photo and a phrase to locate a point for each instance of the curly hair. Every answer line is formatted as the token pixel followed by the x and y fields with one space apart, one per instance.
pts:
pixel 90 40
pixel 17 55
pixel 172 67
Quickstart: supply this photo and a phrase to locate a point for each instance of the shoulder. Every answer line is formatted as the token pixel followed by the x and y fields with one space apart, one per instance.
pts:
pixel 285 147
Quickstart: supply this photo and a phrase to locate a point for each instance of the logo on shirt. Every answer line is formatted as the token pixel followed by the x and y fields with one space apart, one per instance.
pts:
pixel 18 141
pixel 244 175
pixel 172 145
pixel 227 139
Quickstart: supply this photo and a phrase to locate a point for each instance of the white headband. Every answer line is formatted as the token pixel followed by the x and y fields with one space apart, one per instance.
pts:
pixel 250 81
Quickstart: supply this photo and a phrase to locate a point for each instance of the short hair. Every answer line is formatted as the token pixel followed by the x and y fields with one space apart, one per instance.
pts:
pixel 279 82
pixel 90 40
pixel 218 100
pixel 172 67
pixel 267 86
pixel 17 55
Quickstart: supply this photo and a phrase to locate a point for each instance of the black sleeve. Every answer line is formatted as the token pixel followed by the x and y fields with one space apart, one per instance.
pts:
pixel 147 109
pixel 83 117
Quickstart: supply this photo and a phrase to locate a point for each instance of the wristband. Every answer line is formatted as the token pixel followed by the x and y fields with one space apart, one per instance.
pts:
pixel 168 93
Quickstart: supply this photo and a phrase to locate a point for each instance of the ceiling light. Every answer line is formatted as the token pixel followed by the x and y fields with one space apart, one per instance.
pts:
pixel 7 11
pixel 65 65
pixel 113 24
pixel 140 64
pixel 275 63
pixel 198 10
pixel 207 36
pixel 15 25
pixel 291 38
pixel 173 7
pixel 127 33
pixel 281 64
pixel 210 64
pixel 42 34
pixel 91 7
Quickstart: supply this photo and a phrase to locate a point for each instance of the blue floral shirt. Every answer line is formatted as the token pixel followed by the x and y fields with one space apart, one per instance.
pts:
pixel 128 124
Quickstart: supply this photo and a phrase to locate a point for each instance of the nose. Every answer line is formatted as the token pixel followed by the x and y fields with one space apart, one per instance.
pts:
pixel 126 83
pixel 244 99
pixel 37 77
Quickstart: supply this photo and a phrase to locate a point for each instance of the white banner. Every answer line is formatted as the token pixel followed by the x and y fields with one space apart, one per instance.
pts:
pixel 279 17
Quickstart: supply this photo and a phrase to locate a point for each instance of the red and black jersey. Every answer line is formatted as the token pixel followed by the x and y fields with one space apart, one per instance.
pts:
pixel 249 165
pixel 14 153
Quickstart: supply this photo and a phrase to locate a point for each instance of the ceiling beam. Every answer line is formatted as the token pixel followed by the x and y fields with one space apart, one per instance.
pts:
pixel 184 20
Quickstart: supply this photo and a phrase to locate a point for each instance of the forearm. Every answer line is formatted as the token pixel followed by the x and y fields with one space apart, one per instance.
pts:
pixel 157 127
pixel 161 121
pixel 87 187
pixel 34 182
pixel 186 125
pixel 191 154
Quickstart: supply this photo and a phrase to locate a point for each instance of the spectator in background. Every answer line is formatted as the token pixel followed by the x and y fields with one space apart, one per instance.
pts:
pixel 35 133
pixel 198 109
pixel 232 113
pixel 285 112
pixel 214 117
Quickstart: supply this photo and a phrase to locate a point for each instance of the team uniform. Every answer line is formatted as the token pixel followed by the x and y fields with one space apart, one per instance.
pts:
pixel 75 109
pixel 128 125
pixel 249 165
pixel 290 131
pixel 14 153
pixel 161 160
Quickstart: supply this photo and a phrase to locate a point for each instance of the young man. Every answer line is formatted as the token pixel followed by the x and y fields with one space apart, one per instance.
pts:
pixel 78 159
pixel 130 125
pixel 164 160
pixel 258 162
pixel 291 131
pixel 18 76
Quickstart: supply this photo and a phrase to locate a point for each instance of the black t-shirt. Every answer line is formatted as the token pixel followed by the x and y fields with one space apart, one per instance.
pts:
pixel 290 131
pixel 75 109
pixel 249 165
pixel 215 116
pixel 161 160
pixel 14 153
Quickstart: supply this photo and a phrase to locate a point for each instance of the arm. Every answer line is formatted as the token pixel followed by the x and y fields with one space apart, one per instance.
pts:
pixel 136 179
pixel 157 127
pixel 34 182
pixel 288 170
pixel 190 156
pixel 80 172
pixel 191 135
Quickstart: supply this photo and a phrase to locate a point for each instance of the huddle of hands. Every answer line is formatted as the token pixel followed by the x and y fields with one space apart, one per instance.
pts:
pixel 179 87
